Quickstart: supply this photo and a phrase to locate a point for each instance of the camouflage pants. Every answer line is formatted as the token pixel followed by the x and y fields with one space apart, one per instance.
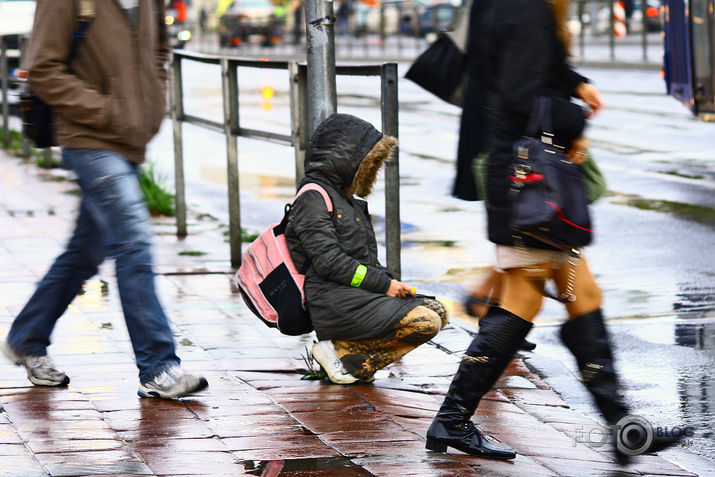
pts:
pixel 363 358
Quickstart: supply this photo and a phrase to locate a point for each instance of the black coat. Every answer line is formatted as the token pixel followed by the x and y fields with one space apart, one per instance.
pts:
pixel 472 123
pixel 523 60
pixel 338 245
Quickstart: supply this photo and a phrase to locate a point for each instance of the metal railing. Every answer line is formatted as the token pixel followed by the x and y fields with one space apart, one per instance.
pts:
pixel 232 128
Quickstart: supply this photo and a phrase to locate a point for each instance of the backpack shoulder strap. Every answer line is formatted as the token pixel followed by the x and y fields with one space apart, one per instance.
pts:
pixel 86 11
pixel 317 188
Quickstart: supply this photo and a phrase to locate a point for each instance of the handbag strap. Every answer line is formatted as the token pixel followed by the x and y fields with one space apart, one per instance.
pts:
pixel 540 119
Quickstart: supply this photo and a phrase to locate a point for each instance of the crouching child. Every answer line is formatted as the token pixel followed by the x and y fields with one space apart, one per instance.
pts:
pixel 363 317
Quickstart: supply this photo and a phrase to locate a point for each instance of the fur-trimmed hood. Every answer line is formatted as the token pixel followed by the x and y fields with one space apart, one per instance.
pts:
pixel 347 152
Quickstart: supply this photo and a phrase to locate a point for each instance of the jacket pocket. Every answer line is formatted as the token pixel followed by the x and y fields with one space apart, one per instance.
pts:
pixel 124 117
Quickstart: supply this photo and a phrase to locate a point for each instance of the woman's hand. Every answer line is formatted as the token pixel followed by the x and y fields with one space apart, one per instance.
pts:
pixel 577 153
pixel 399 290
pixel 591 96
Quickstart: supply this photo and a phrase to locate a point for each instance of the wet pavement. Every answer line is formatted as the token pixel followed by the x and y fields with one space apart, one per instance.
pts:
pixel 257 417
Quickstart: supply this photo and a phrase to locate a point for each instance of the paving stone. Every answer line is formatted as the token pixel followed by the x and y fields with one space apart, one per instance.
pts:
pixel 13 449
pixel 381 447
pixel 194 463
pixel 43 446
pixel 72 469
pixel 9 435
pixel 580 468
pixel 437 469
pixel 654 465
pixel 544 397
pixel 335 438
pixel 23 465
pixel 521 465
pixel 344 420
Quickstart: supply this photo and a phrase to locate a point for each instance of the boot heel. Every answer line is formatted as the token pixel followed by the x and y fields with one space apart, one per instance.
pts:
pixel 436 446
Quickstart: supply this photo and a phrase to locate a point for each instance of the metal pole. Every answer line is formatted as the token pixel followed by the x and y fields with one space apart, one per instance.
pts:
pixel 390 112
pixel 4 77
pixel 297 117
pixel 581 33
pixel 177 116
pixel 611 33
pixel 229 83
pixel 320 43
pixel 26 146
pixel 644 32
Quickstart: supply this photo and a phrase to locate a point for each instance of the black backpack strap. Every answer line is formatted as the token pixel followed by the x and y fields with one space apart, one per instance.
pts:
pixel 77 37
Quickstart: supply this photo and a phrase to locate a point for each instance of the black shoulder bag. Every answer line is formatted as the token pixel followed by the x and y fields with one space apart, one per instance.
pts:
pixel 36 114
pixel 548 194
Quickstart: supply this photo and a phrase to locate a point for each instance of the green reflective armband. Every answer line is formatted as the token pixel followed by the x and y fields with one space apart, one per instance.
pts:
pixel 359 276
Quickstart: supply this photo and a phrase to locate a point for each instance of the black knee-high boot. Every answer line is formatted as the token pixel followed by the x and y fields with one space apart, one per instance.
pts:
pixel 587 339
pixel 500 335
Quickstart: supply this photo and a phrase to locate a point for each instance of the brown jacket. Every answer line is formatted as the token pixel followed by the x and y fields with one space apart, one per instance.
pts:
pixel 113 95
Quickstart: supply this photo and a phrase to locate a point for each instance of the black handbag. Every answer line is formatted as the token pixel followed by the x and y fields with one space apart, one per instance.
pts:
pixel 548 192
pixel 442 68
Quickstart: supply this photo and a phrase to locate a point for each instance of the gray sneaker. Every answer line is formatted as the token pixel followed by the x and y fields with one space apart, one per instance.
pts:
pixel 171 383
pixel 41 371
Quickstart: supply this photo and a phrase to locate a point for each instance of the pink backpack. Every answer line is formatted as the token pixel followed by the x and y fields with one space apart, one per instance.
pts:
pixel 270 284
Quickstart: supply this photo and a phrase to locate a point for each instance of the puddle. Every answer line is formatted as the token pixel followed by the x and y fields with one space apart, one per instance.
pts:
pixel 275 467
pixel 696 213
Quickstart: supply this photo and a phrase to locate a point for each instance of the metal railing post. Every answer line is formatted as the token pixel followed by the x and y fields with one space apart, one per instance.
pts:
pixel 26 146
pixel 229 83
pixel 582 33
pixel 644 32
pixel 177 116
pixel 390 112
pixel 612 33
pixel 4 73
pixel 296 74
pixel 322 95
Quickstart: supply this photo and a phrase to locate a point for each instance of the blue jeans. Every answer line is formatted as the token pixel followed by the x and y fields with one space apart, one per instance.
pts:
pixel 113 221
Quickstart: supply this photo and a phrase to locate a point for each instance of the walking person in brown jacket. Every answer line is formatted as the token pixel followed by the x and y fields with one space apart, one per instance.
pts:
pixel 108 102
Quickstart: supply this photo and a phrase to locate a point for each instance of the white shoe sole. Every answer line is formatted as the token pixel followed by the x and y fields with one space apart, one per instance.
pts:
pixel 146 392
pixel 44 382
pixel 325 361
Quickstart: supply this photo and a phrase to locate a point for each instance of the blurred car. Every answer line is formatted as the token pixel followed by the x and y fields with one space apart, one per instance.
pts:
pixel 400 16
pixel 443 13
pixel 250 21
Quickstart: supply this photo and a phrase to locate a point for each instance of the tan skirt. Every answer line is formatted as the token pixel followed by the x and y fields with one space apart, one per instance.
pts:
pixel 509 256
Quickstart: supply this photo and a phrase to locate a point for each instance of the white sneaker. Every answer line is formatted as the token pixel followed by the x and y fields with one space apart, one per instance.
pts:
pixel 41 371
pixel 324 353
pixel 172 383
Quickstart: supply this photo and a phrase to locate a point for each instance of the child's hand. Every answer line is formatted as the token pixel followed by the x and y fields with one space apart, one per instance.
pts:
pixel 399 290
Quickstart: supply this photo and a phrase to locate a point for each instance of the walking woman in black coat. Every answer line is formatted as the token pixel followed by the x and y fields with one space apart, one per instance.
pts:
pixel 522 47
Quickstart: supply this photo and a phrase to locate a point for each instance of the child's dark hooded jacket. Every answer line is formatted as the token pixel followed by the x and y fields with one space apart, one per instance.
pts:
pixel 345 285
